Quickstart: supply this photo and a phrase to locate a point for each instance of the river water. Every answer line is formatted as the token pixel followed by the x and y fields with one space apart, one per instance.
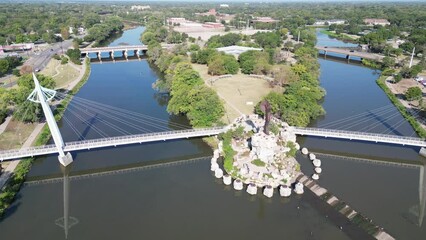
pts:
pixel 166 190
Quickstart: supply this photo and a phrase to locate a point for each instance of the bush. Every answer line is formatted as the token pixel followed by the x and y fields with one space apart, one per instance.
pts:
pixel 16 72
pixel 413 93
pixel 56 56
pixel 397 78
pixel 74 55
pixel 258 163
pixel 64 60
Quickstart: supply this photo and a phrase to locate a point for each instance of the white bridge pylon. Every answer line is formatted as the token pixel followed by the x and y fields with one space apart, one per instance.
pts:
pixel 43 95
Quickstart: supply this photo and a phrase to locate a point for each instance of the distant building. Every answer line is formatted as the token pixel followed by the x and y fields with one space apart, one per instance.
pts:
pixel 237 50
pixel 264 20
pixel 329 22
pixel 211 12
pixel 224 5
pixel 174 21
pixel 225 17
pixel 139 7
pixel 336 21
pixel 212 25
pixel 376 21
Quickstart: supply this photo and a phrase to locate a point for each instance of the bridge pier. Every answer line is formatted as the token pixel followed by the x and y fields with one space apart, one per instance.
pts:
pixel 422 152
pixel 136 53
pixel 325 54
pixel 99 56
pixel 111 55
pixel 125 54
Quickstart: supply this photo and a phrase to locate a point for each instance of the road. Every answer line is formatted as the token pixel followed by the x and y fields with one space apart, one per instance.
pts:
pixel 41 59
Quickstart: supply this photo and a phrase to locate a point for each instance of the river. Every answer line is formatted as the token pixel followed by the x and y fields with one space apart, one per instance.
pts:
pixel 166 190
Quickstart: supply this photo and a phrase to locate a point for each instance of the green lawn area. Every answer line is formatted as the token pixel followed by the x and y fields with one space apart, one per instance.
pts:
pixel 258 162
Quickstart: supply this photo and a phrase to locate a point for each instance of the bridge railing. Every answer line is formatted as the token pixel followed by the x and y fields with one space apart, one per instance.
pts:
pixel 355 133
pixel 199 131
pixel 99 142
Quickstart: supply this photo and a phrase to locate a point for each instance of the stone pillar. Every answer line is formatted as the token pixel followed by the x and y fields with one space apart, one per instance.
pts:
pixel 125 54
pixel 99 56
pixel 111 55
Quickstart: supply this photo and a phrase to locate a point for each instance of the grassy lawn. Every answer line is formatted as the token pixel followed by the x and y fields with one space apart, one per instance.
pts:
pixel 342 36
pixel 258 163
pixel 15 134
pixel 62 74
pixel 240 92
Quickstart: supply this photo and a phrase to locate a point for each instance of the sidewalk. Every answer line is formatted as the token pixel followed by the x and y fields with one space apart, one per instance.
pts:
pixel 3 126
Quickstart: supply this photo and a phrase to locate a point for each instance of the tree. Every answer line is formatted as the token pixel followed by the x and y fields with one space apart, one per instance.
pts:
pixel 388 62
pixel 91 19
pixel 148 38
pixel 4 66
pixel 207 109
pixel 223 64
pixel 254 62
pixel 74 55
pixel 413 93
pixel 25 110
pixel 65 33
pixel 268 39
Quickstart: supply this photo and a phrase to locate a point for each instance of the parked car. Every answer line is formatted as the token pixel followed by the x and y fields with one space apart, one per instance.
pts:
pixel 418 79
pixel 37 70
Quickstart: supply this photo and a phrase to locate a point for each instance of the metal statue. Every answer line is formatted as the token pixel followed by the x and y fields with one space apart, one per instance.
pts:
pixel 265 107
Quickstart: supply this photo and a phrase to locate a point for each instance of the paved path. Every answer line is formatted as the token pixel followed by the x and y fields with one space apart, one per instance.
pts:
pixel 3 126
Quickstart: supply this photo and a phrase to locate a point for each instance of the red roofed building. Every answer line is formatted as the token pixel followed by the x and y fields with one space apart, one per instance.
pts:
pixel 212 25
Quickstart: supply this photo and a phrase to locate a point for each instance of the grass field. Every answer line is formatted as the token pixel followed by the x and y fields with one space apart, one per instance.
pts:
pixel 240 92
pixel 15 134
pixel 62 74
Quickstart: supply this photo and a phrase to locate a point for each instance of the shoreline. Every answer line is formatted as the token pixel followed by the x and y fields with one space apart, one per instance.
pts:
pixel 381 81
pixel 341 37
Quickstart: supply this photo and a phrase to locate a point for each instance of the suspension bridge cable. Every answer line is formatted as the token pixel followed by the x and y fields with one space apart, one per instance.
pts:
pixel 118 129
pixel 366 120
pixel 103 110
pixel 93 127
pixel 350 118
pixel 369 128
pixel 118 119
pixel 75 130
pixel 82 100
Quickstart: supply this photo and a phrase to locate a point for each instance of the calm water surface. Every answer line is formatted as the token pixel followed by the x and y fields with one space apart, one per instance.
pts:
pixel 136 191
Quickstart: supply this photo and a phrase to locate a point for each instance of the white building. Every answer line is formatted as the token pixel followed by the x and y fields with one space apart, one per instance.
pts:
pixel 376 21
pixel 236 50
pixel 329 22
pixel 140 7
pixel 224 5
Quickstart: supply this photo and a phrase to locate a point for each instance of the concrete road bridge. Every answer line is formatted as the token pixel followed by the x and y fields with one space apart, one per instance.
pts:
pixel 350 52
pixel 124 49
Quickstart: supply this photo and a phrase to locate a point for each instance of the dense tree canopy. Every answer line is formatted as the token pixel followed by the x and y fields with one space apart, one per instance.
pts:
pixel 25 110
pixel 221 64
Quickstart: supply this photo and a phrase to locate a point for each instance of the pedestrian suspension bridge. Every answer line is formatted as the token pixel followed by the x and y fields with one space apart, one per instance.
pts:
pixel 88 119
